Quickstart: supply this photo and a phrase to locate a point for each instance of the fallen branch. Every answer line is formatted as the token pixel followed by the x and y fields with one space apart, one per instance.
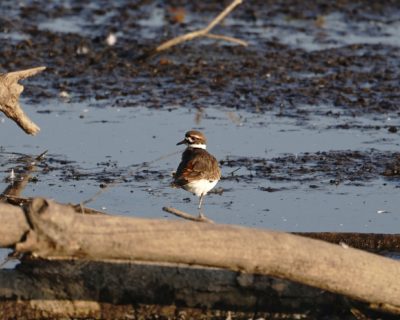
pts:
pixel 56 231
pixel 187 216
pixel 10 90
pixel 372 242
pixel 128 284
pixel 205 32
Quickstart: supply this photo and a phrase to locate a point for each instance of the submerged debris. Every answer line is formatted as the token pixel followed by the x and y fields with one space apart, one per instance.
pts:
pixel 393 168
pixel 333 167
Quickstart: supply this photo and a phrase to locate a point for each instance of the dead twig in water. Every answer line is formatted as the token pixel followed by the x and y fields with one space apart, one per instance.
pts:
pixel 15 188
pixel 187 216
pixel 205 32
pixel 232 172
pixel 130 173
pixel 10 90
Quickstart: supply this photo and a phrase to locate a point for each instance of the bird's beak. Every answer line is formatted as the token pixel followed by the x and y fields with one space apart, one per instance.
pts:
pixel 181 142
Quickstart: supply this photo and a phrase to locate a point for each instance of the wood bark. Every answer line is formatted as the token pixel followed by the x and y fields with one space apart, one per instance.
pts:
pixel 56 231
pixel 13 225
pixel 10 90
pixel 81 288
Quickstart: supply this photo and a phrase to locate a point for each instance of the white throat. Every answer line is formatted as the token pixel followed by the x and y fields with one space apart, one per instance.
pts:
pixel 199 145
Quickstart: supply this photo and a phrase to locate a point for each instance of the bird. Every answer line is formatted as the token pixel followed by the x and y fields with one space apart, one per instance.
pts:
pixel 198 172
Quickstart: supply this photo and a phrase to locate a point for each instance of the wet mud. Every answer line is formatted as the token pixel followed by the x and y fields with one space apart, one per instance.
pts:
pixel 266 75
pixel 334 167
pixel 345 57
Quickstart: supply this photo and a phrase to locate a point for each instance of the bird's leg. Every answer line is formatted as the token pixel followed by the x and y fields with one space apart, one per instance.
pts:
pixel 201 215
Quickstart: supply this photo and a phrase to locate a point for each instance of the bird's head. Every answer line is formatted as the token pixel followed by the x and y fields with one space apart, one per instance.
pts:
pixel 194 139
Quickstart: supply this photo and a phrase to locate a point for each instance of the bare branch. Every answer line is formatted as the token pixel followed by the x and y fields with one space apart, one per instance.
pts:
pixel 15 76
pixel 187 216
pixel 10 90
pixel 175 41
pixel 226 38
pixel 222 15
pixel 205 31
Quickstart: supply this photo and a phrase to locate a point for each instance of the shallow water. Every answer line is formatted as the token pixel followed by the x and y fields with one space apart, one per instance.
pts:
pixel 94 140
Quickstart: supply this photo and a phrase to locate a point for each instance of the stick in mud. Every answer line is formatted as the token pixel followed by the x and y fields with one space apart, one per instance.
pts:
pixel 205 32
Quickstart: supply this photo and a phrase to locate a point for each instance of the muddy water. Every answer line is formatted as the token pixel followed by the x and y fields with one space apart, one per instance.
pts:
pixel 305 120
pixel 92 146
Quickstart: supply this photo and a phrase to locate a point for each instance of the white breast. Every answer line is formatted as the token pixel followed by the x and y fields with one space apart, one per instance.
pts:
pixel 200 187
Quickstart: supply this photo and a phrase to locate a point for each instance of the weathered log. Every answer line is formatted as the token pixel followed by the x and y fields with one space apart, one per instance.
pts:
pixel 10 90
pixel 57 231
pixel 372 242
pixel 80 288
pixel 13 225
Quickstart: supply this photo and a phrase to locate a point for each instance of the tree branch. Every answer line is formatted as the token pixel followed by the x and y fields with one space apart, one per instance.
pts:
pixel 10 90
pixel 226 38
pixel 205 31
pixel 187 216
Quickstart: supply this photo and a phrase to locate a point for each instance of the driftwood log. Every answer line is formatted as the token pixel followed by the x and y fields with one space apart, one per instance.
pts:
pixel 10 90
pixel 53 231
pixel 81 288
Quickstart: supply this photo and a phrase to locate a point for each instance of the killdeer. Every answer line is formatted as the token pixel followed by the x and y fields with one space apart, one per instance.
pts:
pixel 198 171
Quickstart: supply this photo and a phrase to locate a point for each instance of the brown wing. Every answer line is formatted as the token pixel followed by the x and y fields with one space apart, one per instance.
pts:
pixel 196 164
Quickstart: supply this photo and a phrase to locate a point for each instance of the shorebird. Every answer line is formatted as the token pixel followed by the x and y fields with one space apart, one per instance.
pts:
pixel 198 171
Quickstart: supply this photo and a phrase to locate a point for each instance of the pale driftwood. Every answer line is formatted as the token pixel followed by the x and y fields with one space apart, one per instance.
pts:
pixel 10 90
pixel 58 232
pixel 205 32
pixel 372 242
pixel 187 216
pixel 13 225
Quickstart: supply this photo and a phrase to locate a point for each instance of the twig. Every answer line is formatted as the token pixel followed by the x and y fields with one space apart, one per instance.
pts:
pixel 15 188
pixel 41 156
pixel 232 172
pixel 11 256
pixel 10 90
pixel 122 178
pixel 186 216
pixel 205 32
pixel 226 38
pixel 4 262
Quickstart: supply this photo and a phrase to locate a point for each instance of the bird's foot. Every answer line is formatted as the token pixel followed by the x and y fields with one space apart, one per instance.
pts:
pixel 201 215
